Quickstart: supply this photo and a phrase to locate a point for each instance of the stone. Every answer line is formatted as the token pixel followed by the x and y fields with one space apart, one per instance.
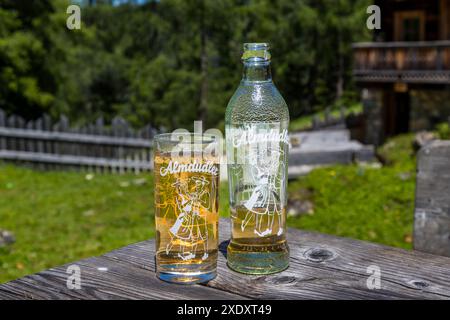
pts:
pixel 6 238
pixel 422 138
pixel 299 207
pixel 140 182
pixel 404 176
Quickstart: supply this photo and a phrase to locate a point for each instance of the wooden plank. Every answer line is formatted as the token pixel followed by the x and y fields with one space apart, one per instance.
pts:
pixel 62 126
pixel 432 205
pixel 11 142
pixel 324 267
pixel 444 19
pixel 103 278
pixel 40 144
pixel 74 137
pixel 413 76
pixel 48 159
pixel 95 149
pixel 31 144
pixel 99 130
pixel 321 267
pixel 48 144
pixel 2 124
pixel 20 123
pixel 57 146
pixel 83 147
pixel 401 44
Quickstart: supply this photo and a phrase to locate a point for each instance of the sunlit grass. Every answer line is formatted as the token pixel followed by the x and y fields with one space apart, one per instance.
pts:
pixel 58 217
pixel 363 202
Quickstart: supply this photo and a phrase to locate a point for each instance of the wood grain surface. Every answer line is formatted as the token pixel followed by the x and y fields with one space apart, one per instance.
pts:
pixel 321 267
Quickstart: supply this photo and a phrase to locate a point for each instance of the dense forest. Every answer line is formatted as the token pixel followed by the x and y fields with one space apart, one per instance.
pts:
pixel 170 62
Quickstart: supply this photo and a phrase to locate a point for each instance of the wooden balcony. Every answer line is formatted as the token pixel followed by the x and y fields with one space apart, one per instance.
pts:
pixel 425 62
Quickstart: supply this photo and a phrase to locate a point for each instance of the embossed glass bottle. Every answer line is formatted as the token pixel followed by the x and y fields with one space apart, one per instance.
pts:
pixel 256 125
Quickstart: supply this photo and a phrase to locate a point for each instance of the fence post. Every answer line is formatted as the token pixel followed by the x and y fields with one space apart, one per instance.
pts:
pixel 148 132
pixel 73 148
pixel 48 147
pixel 61 126
pixel 432 204
pixel 2 124
pixel 20 124
pixel 38 126
pixel 92 152
pixel 31 144
pixel 98 130
pixel 11 142
pixel 119 129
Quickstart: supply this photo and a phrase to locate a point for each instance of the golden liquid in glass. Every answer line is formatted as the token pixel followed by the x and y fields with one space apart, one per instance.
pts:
pixel 186 211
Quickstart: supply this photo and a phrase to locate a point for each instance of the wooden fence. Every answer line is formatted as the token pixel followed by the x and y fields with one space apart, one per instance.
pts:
pixel 95 147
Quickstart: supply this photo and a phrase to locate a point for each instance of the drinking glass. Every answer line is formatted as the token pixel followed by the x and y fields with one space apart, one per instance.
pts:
pixel 186 167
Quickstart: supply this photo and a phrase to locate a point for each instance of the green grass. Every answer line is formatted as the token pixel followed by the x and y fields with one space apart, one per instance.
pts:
pixel 442 131
pixel 363 202
pixel 305 122
pixel 59 217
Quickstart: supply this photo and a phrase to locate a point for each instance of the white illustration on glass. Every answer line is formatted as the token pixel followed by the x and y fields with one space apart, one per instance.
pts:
pixel 190 228
pixel 264 202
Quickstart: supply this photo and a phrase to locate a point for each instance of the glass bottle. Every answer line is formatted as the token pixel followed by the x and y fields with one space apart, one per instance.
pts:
pixel 256 126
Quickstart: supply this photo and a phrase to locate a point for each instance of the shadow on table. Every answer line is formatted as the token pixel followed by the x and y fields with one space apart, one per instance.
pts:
pixel 223 247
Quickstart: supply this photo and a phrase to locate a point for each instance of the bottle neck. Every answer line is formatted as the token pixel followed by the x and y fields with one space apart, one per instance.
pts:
pixel 257 71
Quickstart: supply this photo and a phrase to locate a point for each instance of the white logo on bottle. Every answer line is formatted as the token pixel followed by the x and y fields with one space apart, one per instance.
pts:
pixel 251 135
pixel 262 151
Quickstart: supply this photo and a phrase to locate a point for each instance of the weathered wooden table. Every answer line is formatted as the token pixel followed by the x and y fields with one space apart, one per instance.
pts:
pixel 322 267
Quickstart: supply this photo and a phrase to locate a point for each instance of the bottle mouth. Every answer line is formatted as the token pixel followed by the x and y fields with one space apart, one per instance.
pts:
pixel 256 52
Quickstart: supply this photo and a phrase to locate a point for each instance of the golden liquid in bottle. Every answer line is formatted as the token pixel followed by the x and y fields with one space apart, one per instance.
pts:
pixel 258 245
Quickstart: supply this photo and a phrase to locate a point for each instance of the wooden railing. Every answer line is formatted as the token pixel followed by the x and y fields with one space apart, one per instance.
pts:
pixel 423 62
pixel 51 145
